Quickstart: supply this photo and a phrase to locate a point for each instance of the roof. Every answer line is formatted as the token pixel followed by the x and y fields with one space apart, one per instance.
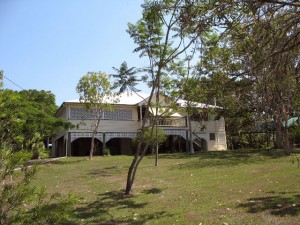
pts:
pixel 292 121
pixel 271 126
pixel 125 98
pixel 183 103
pixel 132 98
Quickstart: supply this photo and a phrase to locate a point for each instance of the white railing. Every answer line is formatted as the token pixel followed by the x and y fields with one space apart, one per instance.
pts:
pixel 170 121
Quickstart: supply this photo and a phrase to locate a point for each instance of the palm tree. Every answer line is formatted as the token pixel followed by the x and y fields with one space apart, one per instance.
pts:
pixel 126 78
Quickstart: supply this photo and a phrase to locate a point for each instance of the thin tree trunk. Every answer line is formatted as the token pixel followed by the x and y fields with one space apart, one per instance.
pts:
pixel 93 138
pixel 138 155
pixel 191 136
pixel 278 139
pixel 156 118
pixel 156 151
pixel 287 140
pixel 133 169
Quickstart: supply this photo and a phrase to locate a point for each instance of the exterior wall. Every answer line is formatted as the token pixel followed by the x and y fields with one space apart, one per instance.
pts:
pixel 64 114
pixel 209 129
pixel 107 125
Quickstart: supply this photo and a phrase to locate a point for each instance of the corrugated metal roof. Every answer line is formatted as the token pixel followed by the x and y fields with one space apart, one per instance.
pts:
pixel 133 98
pixel 124 98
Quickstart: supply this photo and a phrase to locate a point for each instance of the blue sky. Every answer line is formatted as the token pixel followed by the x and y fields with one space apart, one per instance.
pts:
pixel 50 44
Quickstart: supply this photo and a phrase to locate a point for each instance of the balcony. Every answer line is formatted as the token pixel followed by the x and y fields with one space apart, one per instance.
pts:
pixel 169 121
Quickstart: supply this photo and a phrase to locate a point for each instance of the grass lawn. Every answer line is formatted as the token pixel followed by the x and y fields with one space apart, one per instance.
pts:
pixel 232 187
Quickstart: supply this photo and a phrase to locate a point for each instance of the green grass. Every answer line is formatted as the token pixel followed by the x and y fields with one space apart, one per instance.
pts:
pixel 241 187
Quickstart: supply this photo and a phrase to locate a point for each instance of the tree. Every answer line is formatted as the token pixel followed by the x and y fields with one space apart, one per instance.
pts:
pixel 20 139
pixel 20 203
pixel 126 78
pixel 268 57
pixel 26 114
pixel 166 32
pixel 258 48
pixel 1 78
pixel 95 92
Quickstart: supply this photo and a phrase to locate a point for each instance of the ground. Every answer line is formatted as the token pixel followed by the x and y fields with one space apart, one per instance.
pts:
pixel 233 187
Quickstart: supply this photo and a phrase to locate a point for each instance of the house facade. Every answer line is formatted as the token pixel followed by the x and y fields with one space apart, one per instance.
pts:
pixel 119 127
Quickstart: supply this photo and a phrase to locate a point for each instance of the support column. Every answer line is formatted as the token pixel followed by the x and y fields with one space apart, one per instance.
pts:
pixel 187 141
pixel 141 115
pixel 104 142
pixel 69 146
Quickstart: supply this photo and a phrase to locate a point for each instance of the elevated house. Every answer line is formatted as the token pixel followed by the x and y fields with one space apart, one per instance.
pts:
pixel 118 127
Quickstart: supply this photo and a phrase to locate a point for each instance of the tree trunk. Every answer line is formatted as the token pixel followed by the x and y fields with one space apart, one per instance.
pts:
pixel 133 168
pixel 130 177
pixel 287 140
pixel 191 136
pixel 92 146
pixel 278 139
pixel 156 151
pixel 93 138
pixel 156 121
pixel 138 155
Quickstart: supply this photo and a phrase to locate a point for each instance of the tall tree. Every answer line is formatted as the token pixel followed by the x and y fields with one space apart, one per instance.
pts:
pixel 1 78
pixel 258 56
pixel 166 31
pixel 126 78
pixel 95 91
pixel 269 57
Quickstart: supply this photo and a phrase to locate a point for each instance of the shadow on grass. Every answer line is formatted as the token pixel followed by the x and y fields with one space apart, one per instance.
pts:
pixel 224 158
pixel 115 208
pixel 65 162
pixel 106 172
pixel 152 191
pixel 280 204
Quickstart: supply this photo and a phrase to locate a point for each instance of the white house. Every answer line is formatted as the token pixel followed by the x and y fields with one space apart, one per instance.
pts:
pixel 119 127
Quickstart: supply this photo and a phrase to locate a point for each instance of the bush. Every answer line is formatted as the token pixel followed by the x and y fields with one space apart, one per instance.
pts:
pixel 106 152
pixel 22 204
pixel 36 146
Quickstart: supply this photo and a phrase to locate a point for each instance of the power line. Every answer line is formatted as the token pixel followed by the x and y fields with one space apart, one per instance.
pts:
pixel 12 82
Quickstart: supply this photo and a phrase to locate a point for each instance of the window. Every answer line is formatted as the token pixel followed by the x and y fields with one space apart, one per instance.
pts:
pixel 118 114
pixel 212 136
pixel 80 113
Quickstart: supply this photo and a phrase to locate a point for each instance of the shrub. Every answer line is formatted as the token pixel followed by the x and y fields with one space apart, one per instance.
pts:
pixel 22 204
pixel 106 152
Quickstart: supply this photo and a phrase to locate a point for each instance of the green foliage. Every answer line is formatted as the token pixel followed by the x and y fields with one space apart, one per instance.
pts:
pixel 37 147
pixel 95 90
pixel 54 210
pixel 1 79
pixel 294 134
pixel 106 152
pixel 126 78
pixel 151 137
pixel 24 114
pixel 20 203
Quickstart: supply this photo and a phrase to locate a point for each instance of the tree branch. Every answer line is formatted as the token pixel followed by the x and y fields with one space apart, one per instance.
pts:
pixel 284 3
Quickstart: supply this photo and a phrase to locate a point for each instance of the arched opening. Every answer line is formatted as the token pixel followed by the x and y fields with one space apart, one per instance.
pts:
pixel 173 143
pixel 200 144
pixel 82 146
pixel 120 146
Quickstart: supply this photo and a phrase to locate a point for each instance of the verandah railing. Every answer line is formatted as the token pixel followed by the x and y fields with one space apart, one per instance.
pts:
pixel 170 121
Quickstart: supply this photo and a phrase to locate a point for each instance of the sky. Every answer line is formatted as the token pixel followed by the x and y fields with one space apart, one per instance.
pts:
pixel 50 44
